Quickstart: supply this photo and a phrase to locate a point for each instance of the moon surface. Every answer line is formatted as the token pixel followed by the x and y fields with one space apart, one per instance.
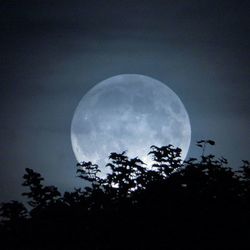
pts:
pixel 128 112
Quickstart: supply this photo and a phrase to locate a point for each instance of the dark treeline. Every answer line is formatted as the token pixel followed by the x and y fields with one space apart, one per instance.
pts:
pixel 197 204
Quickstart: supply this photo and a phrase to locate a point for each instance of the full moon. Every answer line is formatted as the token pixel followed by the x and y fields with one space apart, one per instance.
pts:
pixel 128 112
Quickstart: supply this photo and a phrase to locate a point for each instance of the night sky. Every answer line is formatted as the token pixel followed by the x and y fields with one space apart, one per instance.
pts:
pixel 52 52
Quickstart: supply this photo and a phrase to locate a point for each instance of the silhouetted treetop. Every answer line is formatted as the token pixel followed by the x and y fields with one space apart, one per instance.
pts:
pixel 198 203
pixel 39 196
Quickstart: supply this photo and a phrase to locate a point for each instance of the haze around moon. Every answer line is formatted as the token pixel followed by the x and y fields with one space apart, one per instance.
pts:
pixel 128 112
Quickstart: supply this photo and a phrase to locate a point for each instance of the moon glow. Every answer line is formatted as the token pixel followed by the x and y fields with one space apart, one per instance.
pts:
pixel 128 112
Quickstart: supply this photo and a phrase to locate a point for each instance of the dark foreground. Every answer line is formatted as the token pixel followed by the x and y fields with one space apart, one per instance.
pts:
pixel 201 204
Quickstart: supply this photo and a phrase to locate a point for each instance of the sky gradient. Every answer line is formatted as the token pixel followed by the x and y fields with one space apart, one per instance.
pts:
pixel 53 52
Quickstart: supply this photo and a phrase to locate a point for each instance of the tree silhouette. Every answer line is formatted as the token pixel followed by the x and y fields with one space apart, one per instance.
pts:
pixel 13 211
pixel 196 204
pixel 39 196
pixel 167 159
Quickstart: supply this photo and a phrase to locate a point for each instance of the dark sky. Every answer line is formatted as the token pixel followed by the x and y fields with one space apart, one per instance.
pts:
pixel 52 52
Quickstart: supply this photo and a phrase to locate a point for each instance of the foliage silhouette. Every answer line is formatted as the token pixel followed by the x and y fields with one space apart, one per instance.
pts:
pixel 195 204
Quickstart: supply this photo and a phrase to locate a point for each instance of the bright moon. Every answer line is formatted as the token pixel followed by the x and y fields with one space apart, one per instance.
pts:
pixel 128 112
